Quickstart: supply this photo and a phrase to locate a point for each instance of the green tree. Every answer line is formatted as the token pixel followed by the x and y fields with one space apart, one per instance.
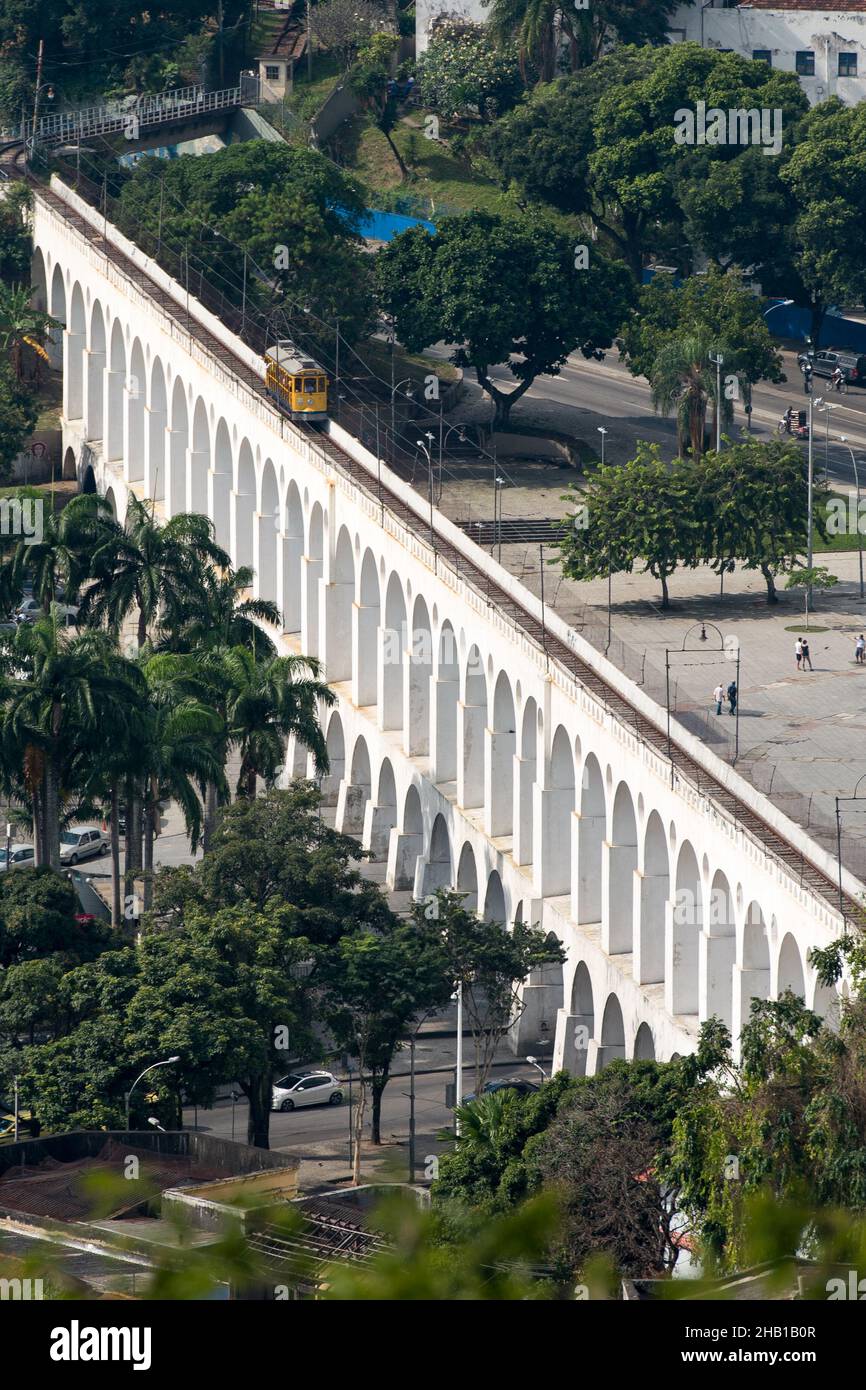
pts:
pixel 682 379
pixel 376 986
pixel 788 1114
pixel 277 847
pixel 66 691
pixel 15 238
pixel 155 569
pixel 37 920
pixel 288 210
pixel 715 308
pixel 644 512
pixel 369 79
pixel 265 703
pixel 19 411
pixel 490 963
pixel 463 75
pixel 22 325
pixel 752 505
pixel 818 577
pixel 548 301
pixel 61 555
pixel 217 612
pixel 826 174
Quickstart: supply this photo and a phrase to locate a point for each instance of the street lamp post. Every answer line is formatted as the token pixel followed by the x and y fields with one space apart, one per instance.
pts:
pixel 443 440
pixel 843 440
pixel 394 390
pixel 827 408
pixel 718 360
pixel 426 450
pixel 497 517
pixel 458 1087
pixel 167 1063
pixel 603 432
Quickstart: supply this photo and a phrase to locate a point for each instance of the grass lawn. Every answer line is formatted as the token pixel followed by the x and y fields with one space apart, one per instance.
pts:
pixel 307 96
pixel 377 355
pixel 845 516
pixel 438 175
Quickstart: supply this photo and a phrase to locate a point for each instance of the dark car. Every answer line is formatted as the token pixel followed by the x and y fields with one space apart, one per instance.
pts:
pixel 853 364
pixel 508 1083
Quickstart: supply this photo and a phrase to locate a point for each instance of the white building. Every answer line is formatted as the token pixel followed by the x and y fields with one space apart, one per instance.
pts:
pixel 825 46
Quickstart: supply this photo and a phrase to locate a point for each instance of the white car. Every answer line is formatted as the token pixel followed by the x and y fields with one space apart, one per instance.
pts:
pixel 308 1088
pixel 20 857
pixel 82 842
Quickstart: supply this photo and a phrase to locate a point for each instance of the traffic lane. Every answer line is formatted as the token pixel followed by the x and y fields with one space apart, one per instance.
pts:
pixel 324 1124
pixel 319 1124
pixel 609 389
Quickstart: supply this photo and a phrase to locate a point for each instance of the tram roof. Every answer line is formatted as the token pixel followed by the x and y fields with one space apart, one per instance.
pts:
pixel 290 358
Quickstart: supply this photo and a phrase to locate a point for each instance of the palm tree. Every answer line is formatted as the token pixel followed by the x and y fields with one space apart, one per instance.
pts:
pixel 218 614
pixel 531 24
pixel 70 544
pixel 64 698
pixel 265 703
pixel 153 567
pixel 683 379
pixel 182 754
pixel 20 323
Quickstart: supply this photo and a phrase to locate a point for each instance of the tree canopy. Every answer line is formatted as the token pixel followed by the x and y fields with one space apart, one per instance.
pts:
pixel 549 300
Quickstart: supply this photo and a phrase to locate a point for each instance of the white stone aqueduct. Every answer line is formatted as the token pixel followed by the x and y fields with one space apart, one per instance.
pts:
pixel 458 753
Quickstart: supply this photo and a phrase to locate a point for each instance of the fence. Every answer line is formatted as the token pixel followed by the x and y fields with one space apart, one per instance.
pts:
pixel 131 114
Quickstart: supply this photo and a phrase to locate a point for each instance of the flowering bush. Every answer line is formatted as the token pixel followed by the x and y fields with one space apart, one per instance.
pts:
pixel 464 76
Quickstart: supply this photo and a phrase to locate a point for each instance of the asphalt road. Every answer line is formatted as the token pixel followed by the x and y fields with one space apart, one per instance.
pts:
pixel 606 391
pixel 329 1124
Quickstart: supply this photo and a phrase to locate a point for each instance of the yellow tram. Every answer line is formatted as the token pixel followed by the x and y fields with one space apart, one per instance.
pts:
pixel 297 382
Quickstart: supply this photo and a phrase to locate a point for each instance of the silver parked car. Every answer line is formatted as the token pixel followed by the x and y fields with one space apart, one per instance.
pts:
pixel 20 857
pixel 83 842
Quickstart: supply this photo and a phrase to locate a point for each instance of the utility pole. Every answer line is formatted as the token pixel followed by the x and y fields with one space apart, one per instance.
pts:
pixel 39 58
pixel 309 44
pixel 412 1107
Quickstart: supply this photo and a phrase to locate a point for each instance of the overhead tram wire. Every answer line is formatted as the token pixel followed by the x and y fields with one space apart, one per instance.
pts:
pixel 291 326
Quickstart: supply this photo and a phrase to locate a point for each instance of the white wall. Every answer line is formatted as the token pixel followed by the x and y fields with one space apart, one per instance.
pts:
pixel 825 30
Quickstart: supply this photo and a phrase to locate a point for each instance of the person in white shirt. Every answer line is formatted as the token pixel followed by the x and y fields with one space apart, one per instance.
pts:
pixel 798 652
pixel 718 696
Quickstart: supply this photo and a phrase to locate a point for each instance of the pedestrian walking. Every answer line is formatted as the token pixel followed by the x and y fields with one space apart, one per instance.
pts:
pixel 732 696
pixel 798 652
pixel 806 656
pixel 860 650
pixel 718 696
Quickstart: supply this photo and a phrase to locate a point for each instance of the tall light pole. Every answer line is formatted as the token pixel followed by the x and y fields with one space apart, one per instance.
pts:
pixel 394 390
pixel 458 1086
pixel 603 432
pixel 426 450
pixel 718 360
pixel 827 408
pixel 167 1063
pixel 497 516
pixel 843 440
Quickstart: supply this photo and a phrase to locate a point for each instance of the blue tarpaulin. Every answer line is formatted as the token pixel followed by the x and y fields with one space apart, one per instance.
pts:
pixel 384 226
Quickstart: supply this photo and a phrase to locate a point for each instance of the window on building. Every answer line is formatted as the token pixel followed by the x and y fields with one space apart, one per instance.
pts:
pixel 762 55
pixel 805 63
pixel 847 64
pixel 272 73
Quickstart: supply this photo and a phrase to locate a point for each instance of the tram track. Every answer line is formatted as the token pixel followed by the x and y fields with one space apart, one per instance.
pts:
pixel 684 767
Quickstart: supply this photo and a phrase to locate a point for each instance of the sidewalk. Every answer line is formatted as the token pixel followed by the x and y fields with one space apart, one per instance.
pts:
pixel 802 735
